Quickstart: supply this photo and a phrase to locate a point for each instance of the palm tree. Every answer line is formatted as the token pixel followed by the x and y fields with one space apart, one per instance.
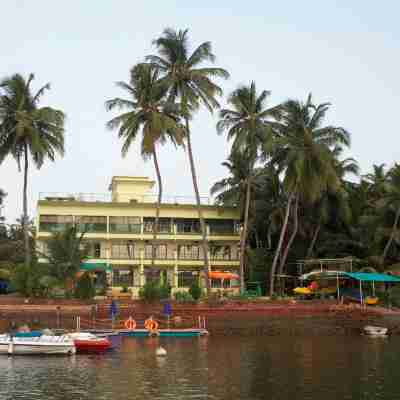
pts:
pixel 236 191
pixel 249 124
pixel 148 113
pixel 392 199
pixel 28 129
pixel 189 82
pixel 66 253
pixel 303 147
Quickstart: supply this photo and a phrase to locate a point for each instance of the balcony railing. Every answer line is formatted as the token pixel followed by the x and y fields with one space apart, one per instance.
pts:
pixel 107 198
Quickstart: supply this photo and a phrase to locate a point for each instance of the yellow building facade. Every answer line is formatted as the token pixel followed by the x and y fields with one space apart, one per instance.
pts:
pixel 118 230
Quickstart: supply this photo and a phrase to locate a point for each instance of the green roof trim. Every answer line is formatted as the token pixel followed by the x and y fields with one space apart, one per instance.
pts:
pixel 369 276
pixel 86 266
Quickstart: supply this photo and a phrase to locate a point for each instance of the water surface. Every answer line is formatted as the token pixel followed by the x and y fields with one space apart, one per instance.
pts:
pixel 253 367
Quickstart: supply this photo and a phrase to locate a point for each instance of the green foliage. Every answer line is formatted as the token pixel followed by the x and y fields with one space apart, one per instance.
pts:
pixel 66 253
pixel 153 291
pixel 125 289
pixel 183 297
pixel 195 291
pixel 84 287
pixel 34 280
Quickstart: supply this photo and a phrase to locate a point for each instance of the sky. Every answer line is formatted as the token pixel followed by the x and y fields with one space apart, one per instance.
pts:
pixel 344 52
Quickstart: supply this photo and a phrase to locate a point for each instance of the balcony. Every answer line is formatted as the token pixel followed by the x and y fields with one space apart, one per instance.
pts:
pixel 107 198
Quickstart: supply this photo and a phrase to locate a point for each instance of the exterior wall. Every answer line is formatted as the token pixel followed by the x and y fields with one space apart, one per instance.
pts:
pixel 138 260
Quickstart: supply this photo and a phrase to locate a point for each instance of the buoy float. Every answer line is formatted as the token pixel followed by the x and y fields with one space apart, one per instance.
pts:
pixel 151 325
pixel 161 352
pixel 130 324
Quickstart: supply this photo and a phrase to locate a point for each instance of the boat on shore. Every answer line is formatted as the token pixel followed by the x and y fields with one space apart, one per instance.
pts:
pixel 375 330
pixel 41 345
pixel 86 342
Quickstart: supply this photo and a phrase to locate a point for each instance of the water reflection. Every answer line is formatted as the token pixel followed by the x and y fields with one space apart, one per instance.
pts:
pixel 263 367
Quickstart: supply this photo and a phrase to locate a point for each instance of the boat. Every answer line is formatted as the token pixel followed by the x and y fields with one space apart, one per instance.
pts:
pixel 86 342
pixel 43 345
pixel 375 330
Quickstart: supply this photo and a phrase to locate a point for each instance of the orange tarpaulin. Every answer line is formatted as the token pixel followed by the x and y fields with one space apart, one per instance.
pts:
pixel 222 275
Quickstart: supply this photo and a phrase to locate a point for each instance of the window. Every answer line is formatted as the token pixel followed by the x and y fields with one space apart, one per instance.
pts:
pixel 187 226
pixel 123 250
pixel 123 277
pixel 188 252
pixel 161 251
pixel 164 225
pixel 222 226
pixel 221 252
pixel 94 249
pixel 125 224
pixel 54 223
pixel 187 278
pixel 91 224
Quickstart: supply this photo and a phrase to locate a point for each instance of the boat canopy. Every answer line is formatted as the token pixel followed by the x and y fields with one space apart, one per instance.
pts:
pixel 222 275
pixel 370 276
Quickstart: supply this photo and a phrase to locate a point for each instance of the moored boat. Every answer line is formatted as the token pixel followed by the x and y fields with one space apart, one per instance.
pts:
pixel 86 342
pixel 43 345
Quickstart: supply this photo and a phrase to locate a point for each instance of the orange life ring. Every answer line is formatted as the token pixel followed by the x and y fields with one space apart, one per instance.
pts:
pixel 130 324
pixel 151 324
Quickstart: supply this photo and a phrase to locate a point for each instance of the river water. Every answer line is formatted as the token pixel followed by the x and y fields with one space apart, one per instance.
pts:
pixel 251 366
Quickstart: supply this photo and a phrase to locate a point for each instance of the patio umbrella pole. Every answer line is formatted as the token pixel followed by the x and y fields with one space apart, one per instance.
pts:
pixel 373 288
pixel 361 294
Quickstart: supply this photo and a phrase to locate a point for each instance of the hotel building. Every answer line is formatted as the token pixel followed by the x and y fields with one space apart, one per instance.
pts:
pixel 118 230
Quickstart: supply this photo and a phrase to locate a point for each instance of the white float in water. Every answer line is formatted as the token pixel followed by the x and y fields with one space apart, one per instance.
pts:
pixel 375 330
pixel 161 352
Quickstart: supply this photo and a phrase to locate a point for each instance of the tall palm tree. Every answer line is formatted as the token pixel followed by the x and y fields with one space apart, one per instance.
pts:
pixel 303 147
pixel 192 84
pixel 249 124
pixel 28 129
pixel 236 191
pixel 149 114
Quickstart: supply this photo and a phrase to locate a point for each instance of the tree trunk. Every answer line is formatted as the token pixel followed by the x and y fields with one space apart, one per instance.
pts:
pixel 292 236
pixel 200 212
pixel 313 241
pixel 389 242
pixel 244 235
pixel 278 249
pixel 269 238
pixel 25 211
pixel 159 198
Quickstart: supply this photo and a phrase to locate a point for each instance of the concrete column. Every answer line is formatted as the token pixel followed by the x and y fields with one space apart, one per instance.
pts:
pixel 175 282
pixel 142 279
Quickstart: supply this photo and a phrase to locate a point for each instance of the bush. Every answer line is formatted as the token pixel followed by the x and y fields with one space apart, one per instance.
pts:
pixel 195 291
pixel 125 289
pixel 183 297
pixel 84 287
pixel 152 291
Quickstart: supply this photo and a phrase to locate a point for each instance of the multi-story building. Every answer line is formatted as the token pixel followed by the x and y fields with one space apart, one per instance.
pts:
pixel 119 233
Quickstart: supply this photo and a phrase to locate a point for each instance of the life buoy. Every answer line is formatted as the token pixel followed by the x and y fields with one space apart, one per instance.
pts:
pixel 130 324
pixel 151 325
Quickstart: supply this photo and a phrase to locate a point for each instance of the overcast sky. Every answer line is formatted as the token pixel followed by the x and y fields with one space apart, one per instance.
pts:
pixel 344 52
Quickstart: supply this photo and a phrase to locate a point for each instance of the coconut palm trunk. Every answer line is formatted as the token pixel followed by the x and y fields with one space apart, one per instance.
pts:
pixel 292 236
pixel 25 209
pixel 392 234
pixel 243 237
pixel 200 212
pixel 313 241
pixel 279 247
pixel 159 198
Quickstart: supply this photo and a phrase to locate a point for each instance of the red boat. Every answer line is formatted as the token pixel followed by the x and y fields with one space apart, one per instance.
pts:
pixel 89 343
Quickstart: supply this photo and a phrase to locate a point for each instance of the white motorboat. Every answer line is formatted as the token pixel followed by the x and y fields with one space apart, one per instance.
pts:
pixel 45 345
pixel 375 330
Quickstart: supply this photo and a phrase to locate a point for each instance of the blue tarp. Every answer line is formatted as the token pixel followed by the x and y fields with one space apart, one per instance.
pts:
pixel 370 276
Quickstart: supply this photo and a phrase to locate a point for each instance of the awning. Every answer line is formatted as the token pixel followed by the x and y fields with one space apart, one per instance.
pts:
pixel 93 266
pixel 222 275
pixel 369 276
